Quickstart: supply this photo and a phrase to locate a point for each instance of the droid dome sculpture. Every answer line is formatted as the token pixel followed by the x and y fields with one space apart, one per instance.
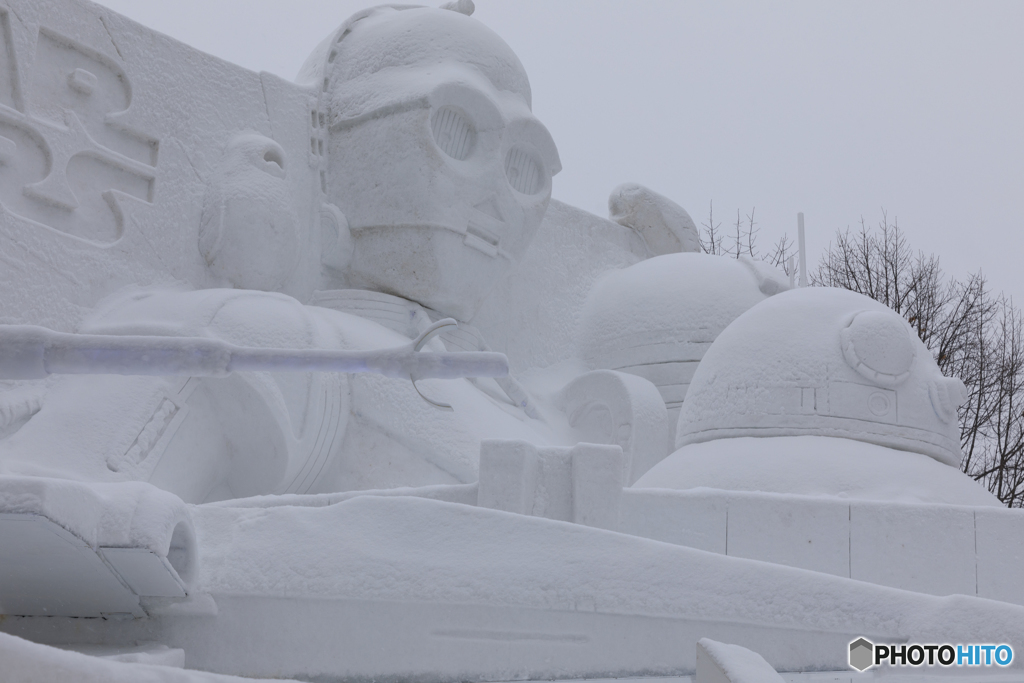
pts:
pixel 658 318
pixel 821 391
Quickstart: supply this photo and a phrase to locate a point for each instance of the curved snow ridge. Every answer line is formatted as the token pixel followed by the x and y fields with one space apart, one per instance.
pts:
pixel 113 515
pixel 419 550
pixel 452 493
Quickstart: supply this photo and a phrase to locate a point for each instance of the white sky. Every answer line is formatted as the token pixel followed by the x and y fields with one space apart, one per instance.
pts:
pixel 833 109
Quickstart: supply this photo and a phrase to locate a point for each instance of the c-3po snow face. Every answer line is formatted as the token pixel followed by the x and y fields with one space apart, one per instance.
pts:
pixel 435 158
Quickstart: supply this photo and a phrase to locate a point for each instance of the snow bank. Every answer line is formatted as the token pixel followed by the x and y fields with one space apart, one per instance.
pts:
pixel 27 662
pixel 418 550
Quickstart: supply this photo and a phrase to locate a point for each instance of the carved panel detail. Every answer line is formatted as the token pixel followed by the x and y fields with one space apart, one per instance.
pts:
pixel 65 156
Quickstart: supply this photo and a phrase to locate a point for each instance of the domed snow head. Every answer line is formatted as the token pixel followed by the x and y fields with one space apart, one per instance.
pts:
pixel 657 318
pixel 249 233
pixel 433 154
pixel 824 362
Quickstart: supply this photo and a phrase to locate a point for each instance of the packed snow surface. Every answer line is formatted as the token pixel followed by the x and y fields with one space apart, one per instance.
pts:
pixel 27 662
pixel 816 466
pixel 419 550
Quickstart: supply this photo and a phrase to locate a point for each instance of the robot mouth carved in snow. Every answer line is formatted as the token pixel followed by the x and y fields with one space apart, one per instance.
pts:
pixel 30 352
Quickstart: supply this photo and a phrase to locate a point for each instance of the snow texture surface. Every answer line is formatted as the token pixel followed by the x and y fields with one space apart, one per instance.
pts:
pixel 386 549
pixel 739 664
pixel 816 466
pixel 27 662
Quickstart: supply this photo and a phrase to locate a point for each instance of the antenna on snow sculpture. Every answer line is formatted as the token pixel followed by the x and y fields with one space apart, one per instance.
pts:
pixel 802 248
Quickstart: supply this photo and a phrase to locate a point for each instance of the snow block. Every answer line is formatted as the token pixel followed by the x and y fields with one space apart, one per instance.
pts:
pixel 927 549
pixel 725 663
pixel 582 484
pixel 920 547
pixel 596 485
pixel 694 519
pixel 1000 552
pixel 508 476
pixel 788 530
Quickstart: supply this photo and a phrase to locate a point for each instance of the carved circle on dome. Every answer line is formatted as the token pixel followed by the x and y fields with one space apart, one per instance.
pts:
pixel 877 345
pixel 878 404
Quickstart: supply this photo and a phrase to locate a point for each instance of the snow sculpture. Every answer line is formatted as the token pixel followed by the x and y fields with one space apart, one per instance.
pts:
pixel 664 225
pixel 821 391
pixel 582 484
pixel 442 237
pixel 432 154
pixel 828 363
pixel 70 156
pixel 258 229
pixel 609 407
pixel 249 234
pixel 657 319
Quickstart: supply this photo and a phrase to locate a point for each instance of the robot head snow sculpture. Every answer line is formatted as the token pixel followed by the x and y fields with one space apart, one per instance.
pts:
pixel 824 362
pixel 657 318
pixel 432 153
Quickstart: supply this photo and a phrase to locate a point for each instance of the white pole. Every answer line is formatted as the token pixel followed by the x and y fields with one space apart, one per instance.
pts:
pixel 791 266
pixel 29 352
pixel 803 248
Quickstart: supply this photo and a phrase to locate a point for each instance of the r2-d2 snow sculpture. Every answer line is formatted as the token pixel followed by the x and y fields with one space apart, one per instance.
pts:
pixel 658 318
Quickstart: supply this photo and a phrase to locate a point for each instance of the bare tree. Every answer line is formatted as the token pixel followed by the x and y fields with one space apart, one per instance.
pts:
pixel 972 333
pixel 743 242
pixel 710 237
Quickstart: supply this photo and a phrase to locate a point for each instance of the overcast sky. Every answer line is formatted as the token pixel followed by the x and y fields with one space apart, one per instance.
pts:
pixel 835 109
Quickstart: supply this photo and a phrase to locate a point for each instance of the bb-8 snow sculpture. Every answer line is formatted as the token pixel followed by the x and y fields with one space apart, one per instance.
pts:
pixel 824 362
